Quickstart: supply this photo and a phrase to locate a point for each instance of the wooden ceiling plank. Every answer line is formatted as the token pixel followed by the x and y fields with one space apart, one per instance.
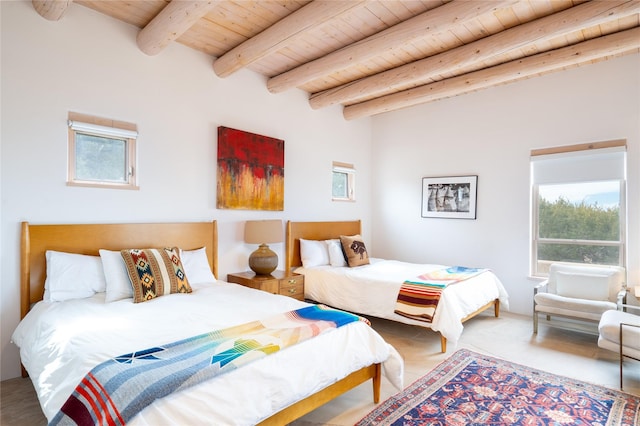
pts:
pixel 421 26
pixel 383 14
pixel 535 32
pixel 615 44
pixel 507 18
pixel 173 21
pixel 51 10
pixel 138 13
pixel 237 19
pixel 281 34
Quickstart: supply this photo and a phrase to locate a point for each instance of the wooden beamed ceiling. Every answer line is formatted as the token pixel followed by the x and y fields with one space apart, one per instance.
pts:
pixel 374 56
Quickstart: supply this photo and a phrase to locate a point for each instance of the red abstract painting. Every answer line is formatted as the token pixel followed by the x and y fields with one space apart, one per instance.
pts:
pixel 250 171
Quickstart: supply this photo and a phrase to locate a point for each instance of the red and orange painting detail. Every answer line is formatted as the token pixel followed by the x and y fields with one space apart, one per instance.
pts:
pixel 250 171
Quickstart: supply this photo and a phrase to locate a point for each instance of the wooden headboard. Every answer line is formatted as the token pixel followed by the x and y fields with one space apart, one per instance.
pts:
pixel 89 238
pixel 314 231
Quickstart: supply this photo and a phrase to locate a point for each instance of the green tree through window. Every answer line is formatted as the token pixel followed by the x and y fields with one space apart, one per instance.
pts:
pixel 563 220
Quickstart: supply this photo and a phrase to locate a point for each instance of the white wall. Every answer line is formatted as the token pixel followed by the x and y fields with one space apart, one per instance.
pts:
pixel 490 133
pixel 89 63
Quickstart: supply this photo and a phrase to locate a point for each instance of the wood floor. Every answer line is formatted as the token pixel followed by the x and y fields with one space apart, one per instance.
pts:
pixel 557 350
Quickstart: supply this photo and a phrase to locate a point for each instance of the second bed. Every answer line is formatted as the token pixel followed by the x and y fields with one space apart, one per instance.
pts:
pixel 372 289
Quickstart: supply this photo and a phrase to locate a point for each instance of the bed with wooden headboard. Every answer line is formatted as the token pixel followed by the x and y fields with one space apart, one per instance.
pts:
pixel 314 231
pixel 88 239
pixel 324 282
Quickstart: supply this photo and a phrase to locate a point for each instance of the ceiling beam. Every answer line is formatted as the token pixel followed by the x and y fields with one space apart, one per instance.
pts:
pixel 418 72
pixel 282 33
pixel 173 21
pixel 51 9
pixel 614 44
pixel 425 25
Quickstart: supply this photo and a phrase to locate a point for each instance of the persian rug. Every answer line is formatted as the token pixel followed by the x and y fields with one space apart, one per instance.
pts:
pixel 473 389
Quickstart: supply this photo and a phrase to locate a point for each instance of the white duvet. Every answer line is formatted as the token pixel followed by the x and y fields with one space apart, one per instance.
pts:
pixel 61 341
pixel 372 290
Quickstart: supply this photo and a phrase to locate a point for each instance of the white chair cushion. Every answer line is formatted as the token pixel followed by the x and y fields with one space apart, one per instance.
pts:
pixel 582 285
pixel 616 276
pixel 579 308
pixel 609 329
pixel 615 347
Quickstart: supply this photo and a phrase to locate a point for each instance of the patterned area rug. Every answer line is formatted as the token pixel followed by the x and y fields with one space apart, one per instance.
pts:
pixel 472 389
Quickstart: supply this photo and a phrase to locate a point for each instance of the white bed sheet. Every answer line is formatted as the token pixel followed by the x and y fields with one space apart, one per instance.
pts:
pixel 373 289
pixel 61 341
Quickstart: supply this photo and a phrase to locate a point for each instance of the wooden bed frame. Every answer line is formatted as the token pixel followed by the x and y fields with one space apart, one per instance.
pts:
pixel 328 230
pixel 89 238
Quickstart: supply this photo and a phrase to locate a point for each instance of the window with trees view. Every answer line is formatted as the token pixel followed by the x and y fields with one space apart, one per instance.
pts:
pixel 578 207
pixel 101 152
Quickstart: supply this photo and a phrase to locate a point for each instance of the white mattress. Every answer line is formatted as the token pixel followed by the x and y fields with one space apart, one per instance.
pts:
pixel 61 341
pixel 373 289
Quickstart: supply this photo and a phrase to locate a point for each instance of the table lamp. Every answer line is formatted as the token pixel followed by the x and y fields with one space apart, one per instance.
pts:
pixel 263 261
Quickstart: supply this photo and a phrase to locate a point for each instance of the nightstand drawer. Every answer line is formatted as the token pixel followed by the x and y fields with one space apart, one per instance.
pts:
pixel 293 287
pixel 277 283
pixel 270 286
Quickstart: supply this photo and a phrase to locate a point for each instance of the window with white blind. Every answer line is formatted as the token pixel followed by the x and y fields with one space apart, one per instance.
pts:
pixel 578 205
pixel 102 152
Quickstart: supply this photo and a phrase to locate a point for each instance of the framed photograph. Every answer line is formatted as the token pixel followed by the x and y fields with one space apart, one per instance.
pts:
pixel 451 197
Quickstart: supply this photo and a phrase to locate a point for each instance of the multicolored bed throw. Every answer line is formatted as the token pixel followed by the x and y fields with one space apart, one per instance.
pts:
pixel 418 297
pixel 110 393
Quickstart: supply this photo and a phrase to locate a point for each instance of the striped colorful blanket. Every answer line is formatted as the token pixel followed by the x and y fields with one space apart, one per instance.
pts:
pixel 116 390
pixel 418 297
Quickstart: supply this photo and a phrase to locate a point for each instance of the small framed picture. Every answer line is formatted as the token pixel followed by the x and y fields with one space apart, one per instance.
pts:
pixel 452 197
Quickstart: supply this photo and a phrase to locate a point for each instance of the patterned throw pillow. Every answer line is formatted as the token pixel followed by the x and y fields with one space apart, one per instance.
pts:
pixel 155 272
pixel 355 250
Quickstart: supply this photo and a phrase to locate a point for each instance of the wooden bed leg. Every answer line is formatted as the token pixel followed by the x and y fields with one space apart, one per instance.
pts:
pixel 377 382
pixel 496 307
pixel 443 343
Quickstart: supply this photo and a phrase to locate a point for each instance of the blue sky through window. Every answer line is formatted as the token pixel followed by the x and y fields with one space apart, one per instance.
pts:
pixel 604 193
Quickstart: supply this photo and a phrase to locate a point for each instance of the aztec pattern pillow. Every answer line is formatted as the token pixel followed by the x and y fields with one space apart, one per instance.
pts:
pixel 155 272
pixel 354 250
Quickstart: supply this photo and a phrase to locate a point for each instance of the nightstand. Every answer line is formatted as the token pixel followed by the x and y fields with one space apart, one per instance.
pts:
pixel 278 282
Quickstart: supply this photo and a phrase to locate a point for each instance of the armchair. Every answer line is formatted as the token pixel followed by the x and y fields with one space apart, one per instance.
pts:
pixel 582 292
pixel 620 332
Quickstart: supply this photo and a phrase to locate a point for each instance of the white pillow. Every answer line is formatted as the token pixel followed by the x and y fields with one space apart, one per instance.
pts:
pixel 582 286
pixel 196 266
pixel 72 276
pixel 115 273
pixel 313 253
pixel 336 256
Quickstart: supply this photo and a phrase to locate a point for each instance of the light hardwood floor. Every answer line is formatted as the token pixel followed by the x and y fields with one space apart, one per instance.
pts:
pixel 560 351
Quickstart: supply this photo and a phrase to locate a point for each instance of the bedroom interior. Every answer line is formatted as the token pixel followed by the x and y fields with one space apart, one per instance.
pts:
pixel 482 117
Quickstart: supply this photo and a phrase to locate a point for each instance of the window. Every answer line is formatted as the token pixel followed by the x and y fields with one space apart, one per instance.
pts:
pixel 344 182
pixel 101 152
pixel 578 205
